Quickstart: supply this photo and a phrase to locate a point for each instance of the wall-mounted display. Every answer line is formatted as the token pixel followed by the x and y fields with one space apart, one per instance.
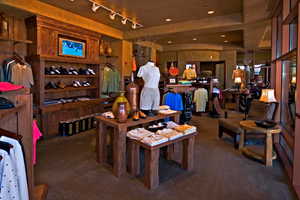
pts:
pixel 71 48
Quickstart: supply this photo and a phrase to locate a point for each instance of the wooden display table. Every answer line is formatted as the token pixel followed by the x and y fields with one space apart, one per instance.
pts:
pixel 151 178
pixel 119 139
pixel 249 125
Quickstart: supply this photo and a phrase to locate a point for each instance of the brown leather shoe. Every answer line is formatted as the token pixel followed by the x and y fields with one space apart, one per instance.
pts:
pixel 135 116
pixel 61 85
pixel 142 115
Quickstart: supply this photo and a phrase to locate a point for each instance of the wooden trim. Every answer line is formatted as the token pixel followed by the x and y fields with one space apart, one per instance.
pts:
pixel 6 112
pixel 292 14
pixel 288 138
pixel 285 161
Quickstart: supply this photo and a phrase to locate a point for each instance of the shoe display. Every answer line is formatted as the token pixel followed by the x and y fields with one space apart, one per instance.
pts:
pixel 142 115
pixel 76 84
pixel 61 85
pixel 51 85
pixel 86 84
pixel 136 116
pixel 73 71
pixel 92 72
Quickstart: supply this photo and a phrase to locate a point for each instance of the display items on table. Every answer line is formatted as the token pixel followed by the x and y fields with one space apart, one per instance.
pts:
pixel 122 112
pixel 108 115
pixel 154 135
pixel 121 99
pixel 6 87
pixel 150 95
pixel 133 95
pixel 5 103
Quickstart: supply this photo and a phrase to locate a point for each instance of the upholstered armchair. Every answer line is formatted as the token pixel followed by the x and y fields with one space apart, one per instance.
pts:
pixel 230 124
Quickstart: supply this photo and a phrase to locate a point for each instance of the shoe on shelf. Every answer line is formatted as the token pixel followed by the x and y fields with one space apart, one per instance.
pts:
pixel 51 85
pixel 76 84
pixel 142 115
pixel 74 71
pixel 91 71
pixel 136 116
pixel 61 85
pixel 56 71
pixel 63 71
pixel 86 84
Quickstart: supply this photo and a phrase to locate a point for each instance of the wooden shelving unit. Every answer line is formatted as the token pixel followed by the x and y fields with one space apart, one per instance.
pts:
pixel 70 89
pixel 16 40
pixel 70 76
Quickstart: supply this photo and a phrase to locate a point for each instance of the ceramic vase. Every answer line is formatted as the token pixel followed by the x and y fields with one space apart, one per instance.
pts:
pixel 121 99
pixel 122 113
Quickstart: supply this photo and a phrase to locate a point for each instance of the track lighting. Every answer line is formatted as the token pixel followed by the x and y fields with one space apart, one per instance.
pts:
pixel 112 16
pixel 95 7
pixel 124 20
pixel 133 25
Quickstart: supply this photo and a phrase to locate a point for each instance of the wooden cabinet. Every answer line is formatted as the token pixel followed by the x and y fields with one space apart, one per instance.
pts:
pixel 43 53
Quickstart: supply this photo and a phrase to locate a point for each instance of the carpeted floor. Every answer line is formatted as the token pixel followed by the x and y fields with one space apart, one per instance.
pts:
pixel 68 166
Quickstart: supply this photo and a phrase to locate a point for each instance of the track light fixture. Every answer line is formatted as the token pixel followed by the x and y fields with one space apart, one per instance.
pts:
pixel 124 20
pixel 112 16
pixel 95 7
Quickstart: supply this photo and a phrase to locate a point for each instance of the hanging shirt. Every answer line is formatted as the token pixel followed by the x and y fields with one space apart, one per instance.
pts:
pixel 173 100
pixel 22 75
pixel 201 98
pixel 9 187
pixel 150 74
pixel 17 159
pixel 36 135
pixel 111 81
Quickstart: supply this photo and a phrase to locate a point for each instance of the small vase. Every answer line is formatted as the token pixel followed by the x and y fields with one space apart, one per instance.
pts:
pixel 133 94
pixel 122 113
pixel 121 99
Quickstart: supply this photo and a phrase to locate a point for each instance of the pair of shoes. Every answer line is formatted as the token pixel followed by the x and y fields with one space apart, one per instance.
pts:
pixel 86 71
pixel 51 85
pixel 51 71
pixel 76 84
pixel 61 85
pixel 137 115
pixel 63 71
pixel 73 71
pixel 86 84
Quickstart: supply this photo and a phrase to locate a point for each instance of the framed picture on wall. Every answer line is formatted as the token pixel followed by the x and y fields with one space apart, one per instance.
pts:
pixel 71 47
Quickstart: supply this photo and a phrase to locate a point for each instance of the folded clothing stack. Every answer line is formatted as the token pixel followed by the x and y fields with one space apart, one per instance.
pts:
pixel 164 107
pixel 154 140
pixel 167 112
pixel 139 134
pixel 108 115
pixel 171 124
pixel 169 133
pixel 186 129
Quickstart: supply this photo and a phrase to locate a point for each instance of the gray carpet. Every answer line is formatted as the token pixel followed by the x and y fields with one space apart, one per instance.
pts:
pixel 68 166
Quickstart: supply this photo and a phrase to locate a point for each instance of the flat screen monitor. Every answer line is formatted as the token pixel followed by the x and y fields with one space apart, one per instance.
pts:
pixel 71 48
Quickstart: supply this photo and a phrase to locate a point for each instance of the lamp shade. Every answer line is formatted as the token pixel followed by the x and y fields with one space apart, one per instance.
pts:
pixel 294 80
pixel 267 96
pixel 237 80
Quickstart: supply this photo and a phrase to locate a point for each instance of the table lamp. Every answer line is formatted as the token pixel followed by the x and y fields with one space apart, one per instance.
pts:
pixel 238 81
pixel 294 80
pixel 268 96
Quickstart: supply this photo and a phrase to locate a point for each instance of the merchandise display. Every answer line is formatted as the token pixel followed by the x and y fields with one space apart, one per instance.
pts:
pixel 150 96
pixel 189 74
pixel 110 79
pixel 160 133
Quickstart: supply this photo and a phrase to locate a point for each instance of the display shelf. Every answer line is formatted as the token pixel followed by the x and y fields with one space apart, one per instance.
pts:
pixel 70 76
pixel 67 60
pixel 69 89
pixel 16 40
pixel 5 112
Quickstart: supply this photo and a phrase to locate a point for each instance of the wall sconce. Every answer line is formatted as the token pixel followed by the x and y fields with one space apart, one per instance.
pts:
pixel 294 80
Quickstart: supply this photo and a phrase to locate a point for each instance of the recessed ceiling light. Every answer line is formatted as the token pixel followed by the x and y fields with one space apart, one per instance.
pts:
pixel 112 15
pixel 124 21
pixel 95 7
pixel 194 39
pixel 223 36
pixel 168 20
pixel 226 41
pixel 211 12
pixel 169 42
pixel 133 26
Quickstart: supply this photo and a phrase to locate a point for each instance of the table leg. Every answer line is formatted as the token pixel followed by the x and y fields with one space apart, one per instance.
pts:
pixel 188 154
pixel 151 168
pixel 242 140
pixel 101 143
pixel 119 151
pixel 269 149
pixel 134 158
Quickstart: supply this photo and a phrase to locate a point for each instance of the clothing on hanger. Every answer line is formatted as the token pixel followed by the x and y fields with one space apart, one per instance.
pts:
pixel 110 80
pixel 173 100
pixel 200 99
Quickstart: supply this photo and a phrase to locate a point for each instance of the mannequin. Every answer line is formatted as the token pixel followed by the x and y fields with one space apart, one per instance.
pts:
pixel 189 73
pixel 239 73
pixel 150 96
